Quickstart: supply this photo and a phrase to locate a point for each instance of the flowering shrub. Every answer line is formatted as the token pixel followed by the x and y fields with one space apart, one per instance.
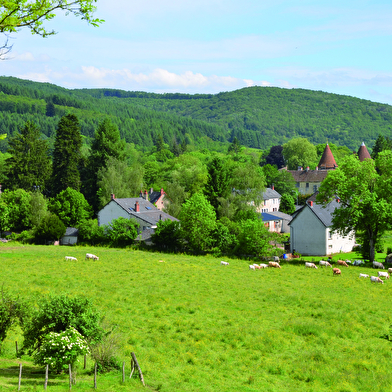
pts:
pixel 60 349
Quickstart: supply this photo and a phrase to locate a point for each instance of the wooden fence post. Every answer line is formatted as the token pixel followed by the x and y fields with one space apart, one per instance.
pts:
pixel 138 368
pixel 16 348
pixel 20 376
pixel 46 376
pixel 123 372
pixel 70 376
pixel 95 376
pixel 85 361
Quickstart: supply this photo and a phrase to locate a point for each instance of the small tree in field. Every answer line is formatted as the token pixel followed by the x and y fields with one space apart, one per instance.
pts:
pixel 58 314
pixel 122 231
pixel 58 350
pixel 50 228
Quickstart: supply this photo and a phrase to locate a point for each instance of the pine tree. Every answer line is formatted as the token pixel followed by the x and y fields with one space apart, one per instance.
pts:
pixel 106 145
pixel 218 185
pixel 29 165
pixel 67 155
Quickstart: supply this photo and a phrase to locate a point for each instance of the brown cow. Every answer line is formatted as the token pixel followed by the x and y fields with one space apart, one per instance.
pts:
pixel 336 271
pixel 342 262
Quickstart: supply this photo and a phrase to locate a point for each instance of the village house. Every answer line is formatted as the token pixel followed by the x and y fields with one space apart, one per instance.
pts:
pixel 276 221
pixel 311 234
pixel 159 199
pixel 271 201
pixel 142 210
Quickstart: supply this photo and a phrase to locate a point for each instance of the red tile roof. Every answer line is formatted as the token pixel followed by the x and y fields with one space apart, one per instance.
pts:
pixel 327 161
pixel 363 153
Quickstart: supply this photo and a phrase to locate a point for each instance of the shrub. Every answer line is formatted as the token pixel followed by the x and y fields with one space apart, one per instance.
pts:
pixel 58 350
pixel 57 314
pixel 105 353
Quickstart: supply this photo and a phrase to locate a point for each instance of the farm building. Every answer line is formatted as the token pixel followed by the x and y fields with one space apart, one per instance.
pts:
pixel 144 212
pixel 311 234
pixel 70 237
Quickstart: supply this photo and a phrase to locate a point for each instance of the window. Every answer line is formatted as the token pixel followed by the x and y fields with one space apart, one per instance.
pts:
pixel 330 235
pixel 307 185
pixel 314 188
pixel 297 184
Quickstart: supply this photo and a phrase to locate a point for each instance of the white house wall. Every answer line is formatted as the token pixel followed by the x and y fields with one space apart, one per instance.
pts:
pixel 308 234
pixel 339 243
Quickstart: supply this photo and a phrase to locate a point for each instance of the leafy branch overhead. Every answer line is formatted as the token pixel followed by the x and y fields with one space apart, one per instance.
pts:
pixel 16 14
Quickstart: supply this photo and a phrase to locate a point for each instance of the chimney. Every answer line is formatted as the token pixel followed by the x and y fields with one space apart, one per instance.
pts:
pixel 162 192
pixel 300 168
pixel 112 196
pixel 137 207
pixel 273 187
pixel 146 194
pixel 316 167
pixel 151 190
pixel 338 200
pixel 307 168
pixel 160 216
pixel 311 203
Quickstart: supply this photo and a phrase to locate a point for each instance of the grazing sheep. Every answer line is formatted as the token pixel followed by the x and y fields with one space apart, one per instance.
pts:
pixel 336 271
pixel 376 279
pixel 263 265
pixel 323 263
pixel 342 262
pixel 382 274
pixel 252 267
pixel 358 262
pixel 256 266
pixel 276 259
pixel 70 258
pixel 224 263
pixel 91 256
pixel 310 265
pixel 274 264
pixel 378 265
pixel 390 270
pixel 363 276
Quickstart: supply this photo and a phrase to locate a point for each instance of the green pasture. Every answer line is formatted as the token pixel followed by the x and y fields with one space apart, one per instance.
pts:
pixel 198 326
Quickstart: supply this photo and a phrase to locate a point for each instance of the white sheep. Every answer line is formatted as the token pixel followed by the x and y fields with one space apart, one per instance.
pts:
pixel 323 263
pixel 91 256
pixel 70 258
pixel 310 265
pixel 363 276
pixel 252 267
pixel 376 279
pixel 382 274
pixel 224 263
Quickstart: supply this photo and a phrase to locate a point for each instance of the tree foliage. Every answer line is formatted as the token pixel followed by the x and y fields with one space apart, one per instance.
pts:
pixel 71 207
pixel 198 221
pixel 122 231
pixel 299 152
pixel 29 166
pixel 18 14
pixel 51 228
pixel 167 236
pixel 67 155
pixel 11 310
pixel 287 204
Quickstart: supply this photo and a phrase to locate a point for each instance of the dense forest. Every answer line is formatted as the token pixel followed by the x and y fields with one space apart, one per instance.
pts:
pixel 259 117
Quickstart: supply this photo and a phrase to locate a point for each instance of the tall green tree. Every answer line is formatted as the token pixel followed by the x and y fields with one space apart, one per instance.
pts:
pixel 218 183
pixel 19 209
pixel 299 152
pixel 382 143
pixel 198 222
pixel 29 166
pixel 364 190
pixel 66 155
pixel 287 204
pixel 120 179
pixel 71 207
pixel 106 144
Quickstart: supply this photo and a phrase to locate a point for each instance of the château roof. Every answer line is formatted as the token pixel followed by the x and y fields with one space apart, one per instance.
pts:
pixel 327 161
pixel 363 153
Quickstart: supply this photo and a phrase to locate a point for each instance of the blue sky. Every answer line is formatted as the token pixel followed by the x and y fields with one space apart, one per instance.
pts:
pixel 202 46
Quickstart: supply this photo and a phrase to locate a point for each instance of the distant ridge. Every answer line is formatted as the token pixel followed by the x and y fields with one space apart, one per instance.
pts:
pixel 259 117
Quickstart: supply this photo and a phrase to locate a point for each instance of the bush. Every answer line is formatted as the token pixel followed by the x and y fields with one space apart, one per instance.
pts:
pixel 57 314
pixel 58 350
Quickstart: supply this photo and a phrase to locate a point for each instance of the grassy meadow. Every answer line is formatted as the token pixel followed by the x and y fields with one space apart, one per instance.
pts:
pixel 198 326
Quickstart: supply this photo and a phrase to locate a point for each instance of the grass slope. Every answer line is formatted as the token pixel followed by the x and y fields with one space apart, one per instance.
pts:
pixel 198 326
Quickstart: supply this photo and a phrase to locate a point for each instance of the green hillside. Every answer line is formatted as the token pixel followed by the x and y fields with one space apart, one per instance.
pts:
pixel 259 117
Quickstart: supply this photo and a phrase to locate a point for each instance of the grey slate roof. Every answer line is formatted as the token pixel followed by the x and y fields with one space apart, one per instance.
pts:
pixel 271 194
pixel 71 232
pixel 147 211
pixel 324 214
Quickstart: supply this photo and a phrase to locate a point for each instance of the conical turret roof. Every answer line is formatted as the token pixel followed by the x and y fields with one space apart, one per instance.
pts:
pixel 363 152
pixel 327 161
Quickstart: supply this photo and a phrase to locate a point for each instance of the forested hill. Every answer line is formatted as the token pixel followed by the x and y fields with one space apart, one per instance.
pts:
pixel 264 116
pixel 259 117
